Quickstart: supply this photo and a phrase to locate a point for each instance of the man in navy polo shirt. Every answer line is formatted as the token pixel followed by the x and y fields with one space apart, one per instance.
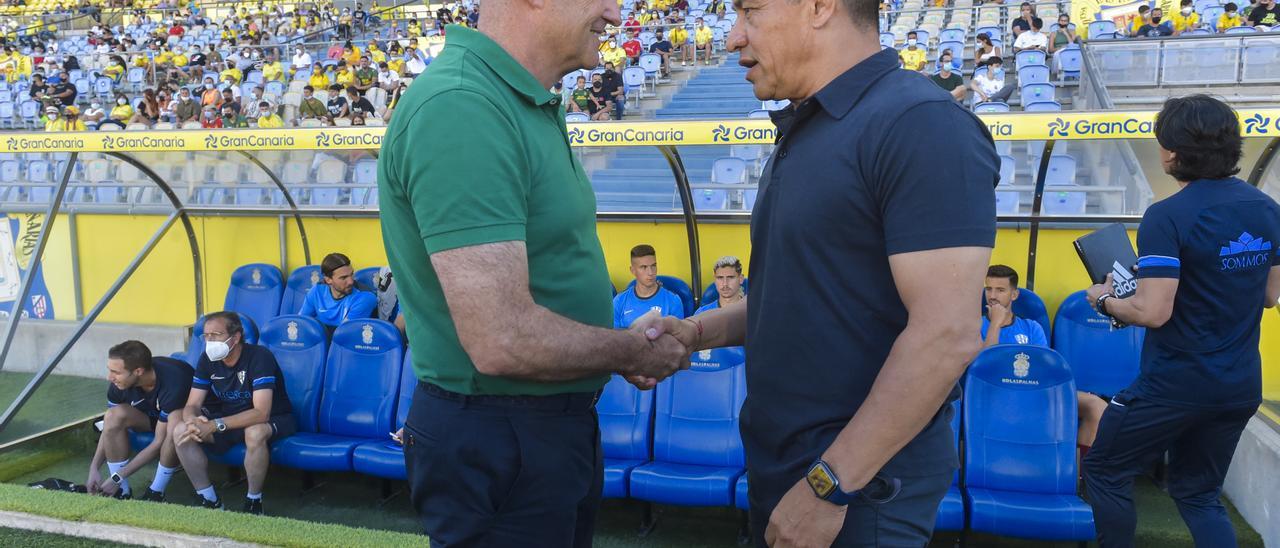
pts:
pixel 1207 266
pixel 870 237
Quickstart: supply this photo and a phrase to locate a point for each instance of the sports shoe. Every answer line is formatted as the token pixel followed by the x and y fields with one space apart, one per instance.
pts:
pixel 253 506
pixel 121 495
pixel 152 496
pixel 210 504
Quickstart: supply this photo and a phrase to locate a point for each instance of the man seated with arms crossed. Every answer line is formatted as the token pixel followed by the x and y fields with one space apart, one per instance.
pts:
pixel 1002 326
pixel 337 299
pixel 647 293
pixel 237 394
pixel 144 391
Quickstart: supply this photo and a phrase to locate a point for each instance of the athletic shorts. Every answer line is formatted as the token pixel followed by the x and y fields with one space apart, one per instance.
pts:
pixel 282 426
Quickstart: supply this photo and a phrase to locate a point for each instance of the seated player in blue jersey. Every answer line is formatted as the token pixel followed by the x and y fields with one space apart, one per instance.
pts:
pixel 1002 326
pixel 237 395
pixel 647 293
pixel 337 299
pixel 144 390
pixel 728 273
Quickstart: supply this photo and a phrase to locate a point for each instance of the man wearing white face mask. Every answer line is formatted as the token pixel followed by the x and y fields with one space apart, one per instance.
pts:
pixel 237 394
pixel 913 57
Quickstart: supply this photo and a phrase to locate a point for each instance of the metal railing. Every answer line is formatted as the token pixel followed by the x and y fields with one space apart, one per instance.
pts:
pixel 1230 59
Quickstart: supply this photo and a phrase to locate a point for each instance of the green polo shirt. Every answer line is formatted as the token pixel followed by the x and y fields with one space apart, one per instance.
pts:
pixel 478 153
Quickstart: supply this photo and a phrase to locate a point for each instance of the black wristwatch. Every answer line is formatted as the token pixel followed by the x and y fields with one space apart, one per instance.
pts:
pixel 826 485
pixel 1101 306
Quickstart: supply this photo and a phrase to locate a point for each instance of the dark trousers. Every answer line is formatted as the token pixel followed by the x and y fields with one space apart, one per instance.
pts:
pixel 905 521
pixel 504 471
pixel 1133 434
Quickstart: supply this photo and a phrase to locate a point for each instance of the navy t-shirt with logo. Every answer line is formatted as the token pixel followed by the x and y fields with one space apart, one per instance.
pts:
pixel 231 388
pixel 879 162
pixel 173 385
pixel 1219 239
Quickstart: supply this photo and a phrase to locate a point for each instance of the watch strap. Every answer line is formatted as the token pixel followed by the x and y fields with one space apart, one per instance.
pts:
pixel 220 425
pixel 115 478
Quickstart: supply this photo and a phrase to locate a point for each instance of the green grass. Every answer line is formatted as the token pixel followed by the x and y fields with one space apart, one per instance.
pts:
pixel 273 531
pixel 36 539
pixel 60 400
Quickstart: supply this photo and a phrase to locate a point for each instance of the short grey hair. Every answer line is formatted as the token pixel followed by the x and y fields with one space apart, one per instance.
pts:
pixel 728 261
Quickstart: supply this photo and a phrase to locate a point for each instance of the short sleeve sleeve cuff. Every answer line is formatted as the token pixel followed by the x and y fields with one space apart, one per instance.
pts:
pixel 1158 266
pixel 479 235
pixel 261 383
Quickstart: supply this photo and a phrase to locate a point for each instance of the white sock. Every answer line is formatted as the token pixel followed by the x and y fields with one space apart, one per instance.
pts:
pixel 208 493
pixel 115 468
pixel 163 474
pixel 254 496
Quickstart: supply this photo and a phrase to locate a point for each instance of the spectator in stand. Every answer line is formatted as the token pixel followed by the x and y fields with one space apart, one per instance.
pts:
pixel 633 49
pixel 186 109
pixel 63 90
pixel 318 79
pixel 231 75
pixel 346 75
pixel 337 105
pixel 334 51
pixel 415 62
pixel 1230 17
pixel 912 57
pixel 209 94
pixel 1023 22
pixel 311 108
pixel 387 78
pixel 366 76
pixel 167 106
pixel 680 41
pixel 396 58
pixel 229 98
pixel 1143 19
pixel 386 117
pixel 93 115
pixel 990 85
pixel 1186 18
pixel 358 106
pixel 647 293
pixel 953 82
pixel 1063 36
pixel 580 97
pixel 351 53
pixel 209 118
pixel 70 120
pixel 300 59
pixel 231 118
pixel 1031 39
pixel 702 41
pixel 51 118
pixel 1265 16
pixel 611 53
pixel 662 47
pixel 121 114
pixel 612 82
pixel 601 99
pixel 267 118
pixel 272 70
pixel 115 69
pixel 1158 26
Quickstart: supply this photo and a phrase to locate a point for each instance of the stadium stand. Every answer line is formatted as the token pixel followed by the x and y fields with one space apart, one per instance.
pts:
pixel 1020 466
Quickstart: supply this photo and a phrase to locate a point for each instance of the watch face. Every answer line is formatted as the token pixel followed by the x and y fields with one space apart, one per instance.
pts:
pixel 820 481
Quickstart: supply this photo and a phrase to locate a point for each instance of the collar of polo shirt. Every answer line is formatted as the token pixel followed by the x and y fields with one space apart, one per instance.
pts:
pixel 501 62
pixel 839 96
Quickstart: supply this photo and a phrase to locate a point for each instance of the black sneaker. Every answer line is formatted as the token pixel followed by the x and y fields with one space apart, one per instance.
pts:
pixel 253 506
pixel 152 496
pixel 121 495
pixel 210 504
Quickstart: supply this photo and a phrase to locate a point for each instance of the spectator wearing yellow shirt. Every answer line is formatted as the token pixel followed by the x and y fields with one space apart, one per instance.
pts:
pixel 680 43
pixel 415 28
pixel 1185 19
pixel 612 53
pixel 1230 17
pixel 70 121
pixel 702 40
pixel 50 118
pixel 272 70
pixel 9 64
pixel 318 79
pixel 395 59
pixel 351 54
pixel 913 57
pixel 1143 19
pixel 346 77
pixel 376 55
pixel 268 119
pixel 231 75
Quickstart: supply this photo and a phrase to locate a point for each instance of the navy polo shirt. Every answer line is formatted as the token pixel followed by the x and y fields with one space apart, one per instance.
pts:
pixel 880 161
pixel 1219 238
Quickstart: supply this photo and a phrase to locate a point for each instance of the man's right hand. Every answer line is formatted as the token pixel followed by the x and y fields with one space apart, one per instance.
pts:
pixel 998 314
pixel 94 482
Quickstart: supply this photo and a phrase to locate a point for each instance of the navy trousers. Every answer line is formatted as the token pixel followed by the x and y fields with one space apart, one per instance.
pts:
pixel 504 471
pixel 1135 433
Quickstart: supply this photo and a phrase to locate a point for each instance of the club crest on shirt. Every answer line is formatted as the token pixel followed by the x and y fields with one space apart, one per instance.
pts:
pixel 240 376
pixel 656 308
pixel 1021 365
pixel 1022 338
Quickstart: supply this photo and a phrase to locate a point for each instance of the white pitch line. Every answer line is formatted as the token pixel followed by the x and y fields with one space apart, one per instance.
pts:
pixel 114 533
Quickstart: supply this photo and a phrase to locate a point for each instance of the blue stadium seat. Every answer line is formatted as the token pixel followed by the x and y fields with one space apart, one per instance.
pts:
pixel 886 40
pixel 300 282
pixel 1103 360
pixel 1030 57
pixel 1042 106
pixel 951 35
pixel 1070 61
pixel 1062 170
pixel 697 452
pixel 364 277
pixel 991 106
pixel 740 494
pixel 1006 200
pixel 951 511
pixel 196 347
pixel 1106 26
pixel 1029 306
pixel 255 291
pixel 677 286
pixel 300 347
pixel 1060 201
pixel 710 294
pixel 625 432
pixel 956 47
pixel 385 458
pixel 1020 446
pixel 356 405
pixel 1038 92
pixel 1033 74
pixel 706 199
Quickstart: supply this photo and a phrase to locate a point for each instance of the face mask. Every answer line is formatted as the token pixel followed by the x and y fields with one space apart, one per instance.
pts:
pixel 208 86
pixel 120 101
pixel 95 105
pixel 217 350
pixel 911 42
pixel 1231 14
pixel 264 113
pixel 208 114
pixel 997 73
pixel 1186 10
pixel 1155 20
pixel 613 44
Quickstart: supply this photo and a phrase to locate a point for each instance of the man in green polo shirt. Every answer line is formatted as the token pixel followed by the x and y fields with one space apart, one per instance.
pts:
pixel 489 224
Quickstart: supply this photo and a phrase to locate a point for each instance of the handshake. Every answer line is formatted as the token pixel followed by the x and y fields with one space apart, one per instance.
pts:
pixel 671 341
